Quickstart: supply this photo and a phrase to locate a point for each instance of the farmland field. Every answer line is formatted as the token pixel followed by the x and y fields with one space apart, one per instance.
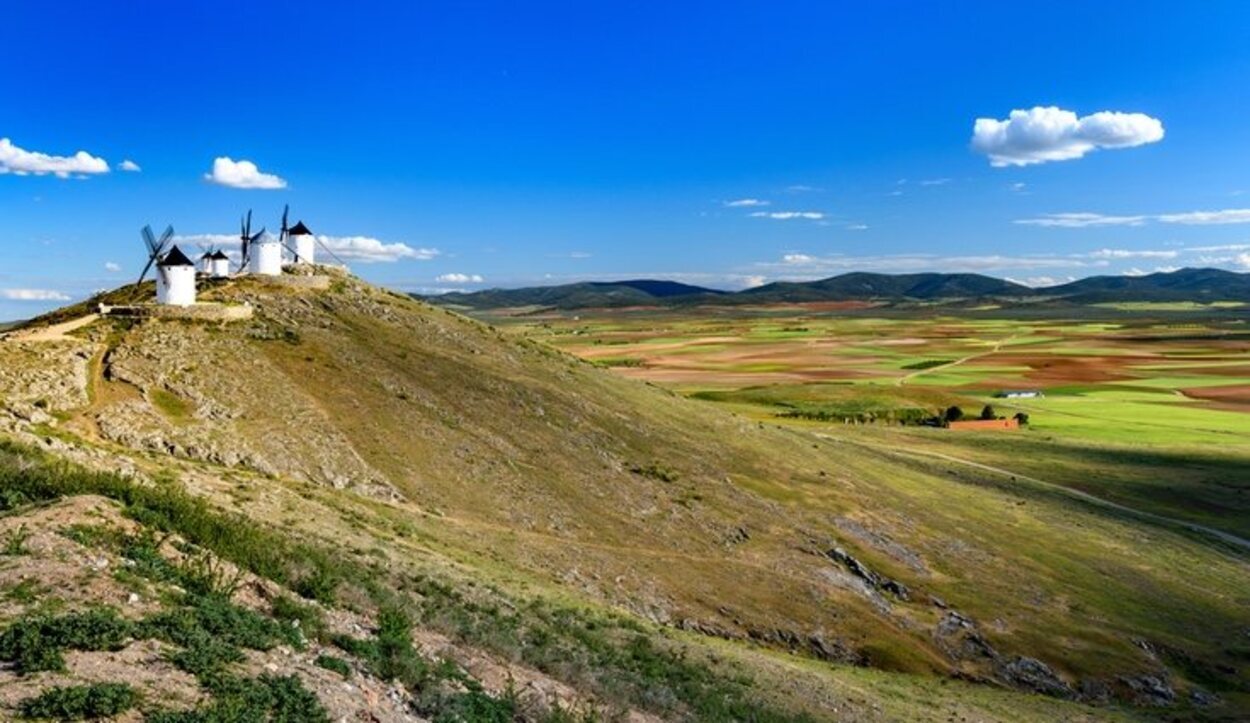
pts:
pixel 1148 406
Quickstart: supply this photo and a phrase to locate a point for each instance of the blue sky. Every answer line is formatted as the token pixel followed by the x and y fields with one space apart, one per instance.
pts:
pixel 464 145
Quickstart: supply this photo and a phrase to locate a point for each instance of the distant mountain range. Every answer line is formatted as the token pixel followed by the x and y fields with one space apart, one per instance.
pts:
pixel 1199 285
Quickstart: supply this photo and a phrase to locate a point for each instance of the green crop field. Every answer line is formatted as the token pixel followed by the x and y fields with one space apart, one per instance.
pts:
pixel 1146 405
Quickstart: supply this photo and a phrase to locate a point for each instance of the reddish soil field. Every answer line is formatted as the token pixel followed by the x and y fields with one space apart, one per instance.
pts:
pixel 1235 398
pixel 1055 369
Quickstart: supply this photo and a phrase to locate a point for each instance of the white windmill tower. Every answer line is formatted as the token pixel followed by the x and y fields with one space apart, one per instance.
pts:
pixel 261 254
pixel 219 265
pixel 175 273
pixel 302 244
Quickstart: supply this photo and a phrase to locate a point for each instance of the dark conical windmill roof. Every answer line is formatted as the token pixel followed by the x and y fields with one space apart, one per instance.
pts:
pixel 175 257
pixel 299 230
pixel 219 255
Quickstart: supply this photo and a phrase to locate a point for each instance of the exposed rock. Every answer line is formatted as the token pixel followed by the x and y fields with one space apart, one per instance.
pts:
pixel 958 636
pixel 1150 689
pixel 1200 697
pixel 874 580
pixel 1032 674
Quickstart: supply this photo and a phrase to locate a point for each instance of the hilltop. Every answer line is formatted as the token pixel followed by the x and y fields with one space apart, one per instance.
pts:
pixel 638 553
pixel 1195 285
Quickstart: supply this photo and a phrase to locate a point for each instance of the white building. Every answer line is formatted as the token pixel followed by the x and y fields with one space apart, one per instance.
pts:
pixel 266 257
pixel 302 244
pixel 205 265
pixel 219 265
pixel 175 279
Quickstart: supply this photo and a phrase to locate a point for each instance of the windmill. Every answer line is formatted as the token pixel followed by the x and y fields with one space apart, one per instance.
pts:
pixel 247 238
pixel 284 235
pixel 156 247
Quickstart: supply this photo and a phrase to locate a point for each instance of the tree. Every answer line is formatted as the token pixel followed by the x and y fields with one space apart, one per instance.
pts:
pixel 954 414
pixel 1022 418
pixel 987 412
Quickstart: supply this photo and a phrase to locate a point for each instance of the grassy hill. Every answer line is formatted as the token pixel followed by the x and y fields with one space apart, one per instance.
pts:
pixel 654 554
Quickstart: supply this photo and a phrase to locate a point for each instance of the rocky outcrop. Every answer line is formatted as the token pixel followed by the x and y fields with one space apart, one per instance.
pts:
pixel 860 570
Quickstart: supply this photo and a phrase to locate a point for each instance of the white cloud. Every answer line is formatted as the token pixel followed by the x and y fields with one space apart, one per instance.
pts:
pixel 129 165
pixel 796 266
pixel 364 249
pixel 746 203
pixel 1207 218
pixel 1131 254
pixel 1043 134
pixel 1222 247
pixel 22 162
pixel 1190 218
pixel 857 227
pixel 367 249
pixel 459 278
pixel 936 182
pixel 32 295
pixel 788 215
pixel 1133 272
pixel 751 282
pixel 796 259
pixel 112 267
pixel 1019 186
pixel 1081 220
pixel 800 188
pixel 242 174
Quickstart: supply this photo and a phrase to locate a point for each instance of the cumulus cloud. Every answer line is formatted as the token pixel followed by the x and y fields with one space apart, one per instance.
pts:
pixel 112 267
pixel 242 174
pixel 369 250
pixel 129 165
pixel 1242 260
pixel 746 203
pixel 459 278
pixel 788 215
pixel 21 162
pixel 32 295
pixel 797 259
pixel 1043 134
pixel 750 282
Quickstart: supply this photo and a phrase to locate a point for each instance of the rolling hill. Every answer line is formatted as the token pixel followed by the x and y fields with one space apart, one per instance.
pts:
pixel 1197 285
pixel 640 292
pixel 648 555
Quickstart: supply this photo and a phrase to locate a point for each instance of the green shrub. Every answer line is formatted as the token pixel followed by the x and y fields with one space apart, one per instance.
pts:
pixel 15 542
pixel 338 665
pixel 280 699
pixel 79 702
pixel 38 643
pixel 309 619
pixel 206 658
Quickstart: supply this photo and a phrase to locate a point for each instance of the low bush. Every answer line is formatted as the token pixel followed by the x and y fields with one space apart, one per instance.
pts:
pixel 80 702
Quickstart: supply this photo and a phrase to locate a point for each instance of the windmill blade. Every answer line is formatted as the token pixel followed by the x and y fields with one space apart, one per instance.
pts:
pixel 165 237
pixel 257 235
pixel 151 260
pixel 247 228
pixel 149 238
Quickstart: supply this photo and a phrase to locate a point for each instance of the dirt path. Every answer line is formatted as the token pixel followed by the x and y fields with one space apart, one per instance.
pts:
pixel 942 367
pixel 1226 537
pixel 56 332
